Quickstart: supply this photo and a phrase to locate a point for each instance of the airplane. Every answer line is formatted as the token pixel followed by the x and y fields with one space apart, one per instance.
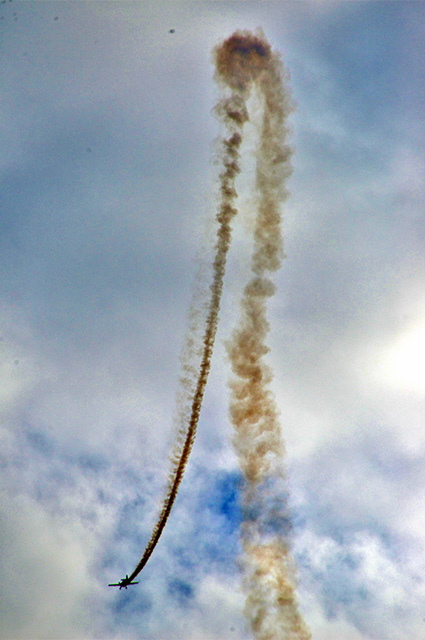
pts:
pixel 122 583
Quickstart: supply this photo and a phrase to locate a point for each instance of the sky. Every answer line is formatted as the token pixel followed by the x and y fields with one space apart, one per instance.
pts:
pixel 108 162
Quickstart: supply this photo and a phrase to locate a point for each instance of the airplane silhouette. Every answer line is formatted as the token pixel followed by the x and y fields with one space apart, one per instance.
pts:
pixel 122 584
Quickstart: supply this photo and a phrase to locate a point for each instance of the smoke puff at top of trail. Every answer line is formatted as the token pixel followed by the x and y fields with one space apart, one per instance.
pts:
pixel 241 58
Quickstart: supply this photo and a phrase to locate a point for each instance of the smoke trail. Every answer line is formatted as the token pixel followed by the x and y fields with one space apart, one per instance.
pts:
pixel 244 61
pixel 271 604
pixel 233 111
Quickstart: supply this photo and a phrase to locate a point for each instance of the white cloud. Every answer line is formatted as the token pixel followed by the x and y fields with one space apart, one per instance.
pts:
pixel 357 586
pixel 45 567
pixel 223 597
pixel 98 257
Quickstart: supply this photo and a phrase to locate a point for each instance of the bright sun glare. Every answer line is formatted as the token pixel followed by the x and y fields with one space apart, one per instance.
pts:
pixel 404 362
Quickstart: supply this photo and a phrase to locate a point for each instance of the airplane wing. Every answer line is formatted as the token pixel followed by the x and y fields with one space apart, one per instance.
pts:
pixel 114 584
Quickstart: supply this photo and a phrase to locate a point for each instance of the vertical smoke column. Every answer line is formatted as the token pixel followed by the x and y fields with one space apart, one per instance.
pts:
pixel 232 110
pixel 271 604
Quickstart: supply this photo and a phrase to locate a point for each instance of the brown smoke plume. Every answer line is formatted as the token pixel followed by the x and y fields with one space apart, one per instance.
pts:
pixel 244 61
pixel 271 604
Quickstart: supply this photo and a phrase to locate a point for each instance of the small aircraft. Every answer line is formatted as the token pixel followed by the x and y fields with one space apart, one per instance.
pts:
pixel 122 584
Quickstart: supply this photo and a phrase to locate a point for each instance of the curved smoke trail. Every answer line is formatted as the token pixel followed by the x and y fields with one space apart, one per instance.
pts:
pixel 233 111
pixel 244 61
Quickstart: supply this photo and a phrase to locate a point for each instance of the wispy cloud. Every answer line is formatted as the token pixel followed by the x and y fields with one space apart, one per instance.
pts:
pixel 104 116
